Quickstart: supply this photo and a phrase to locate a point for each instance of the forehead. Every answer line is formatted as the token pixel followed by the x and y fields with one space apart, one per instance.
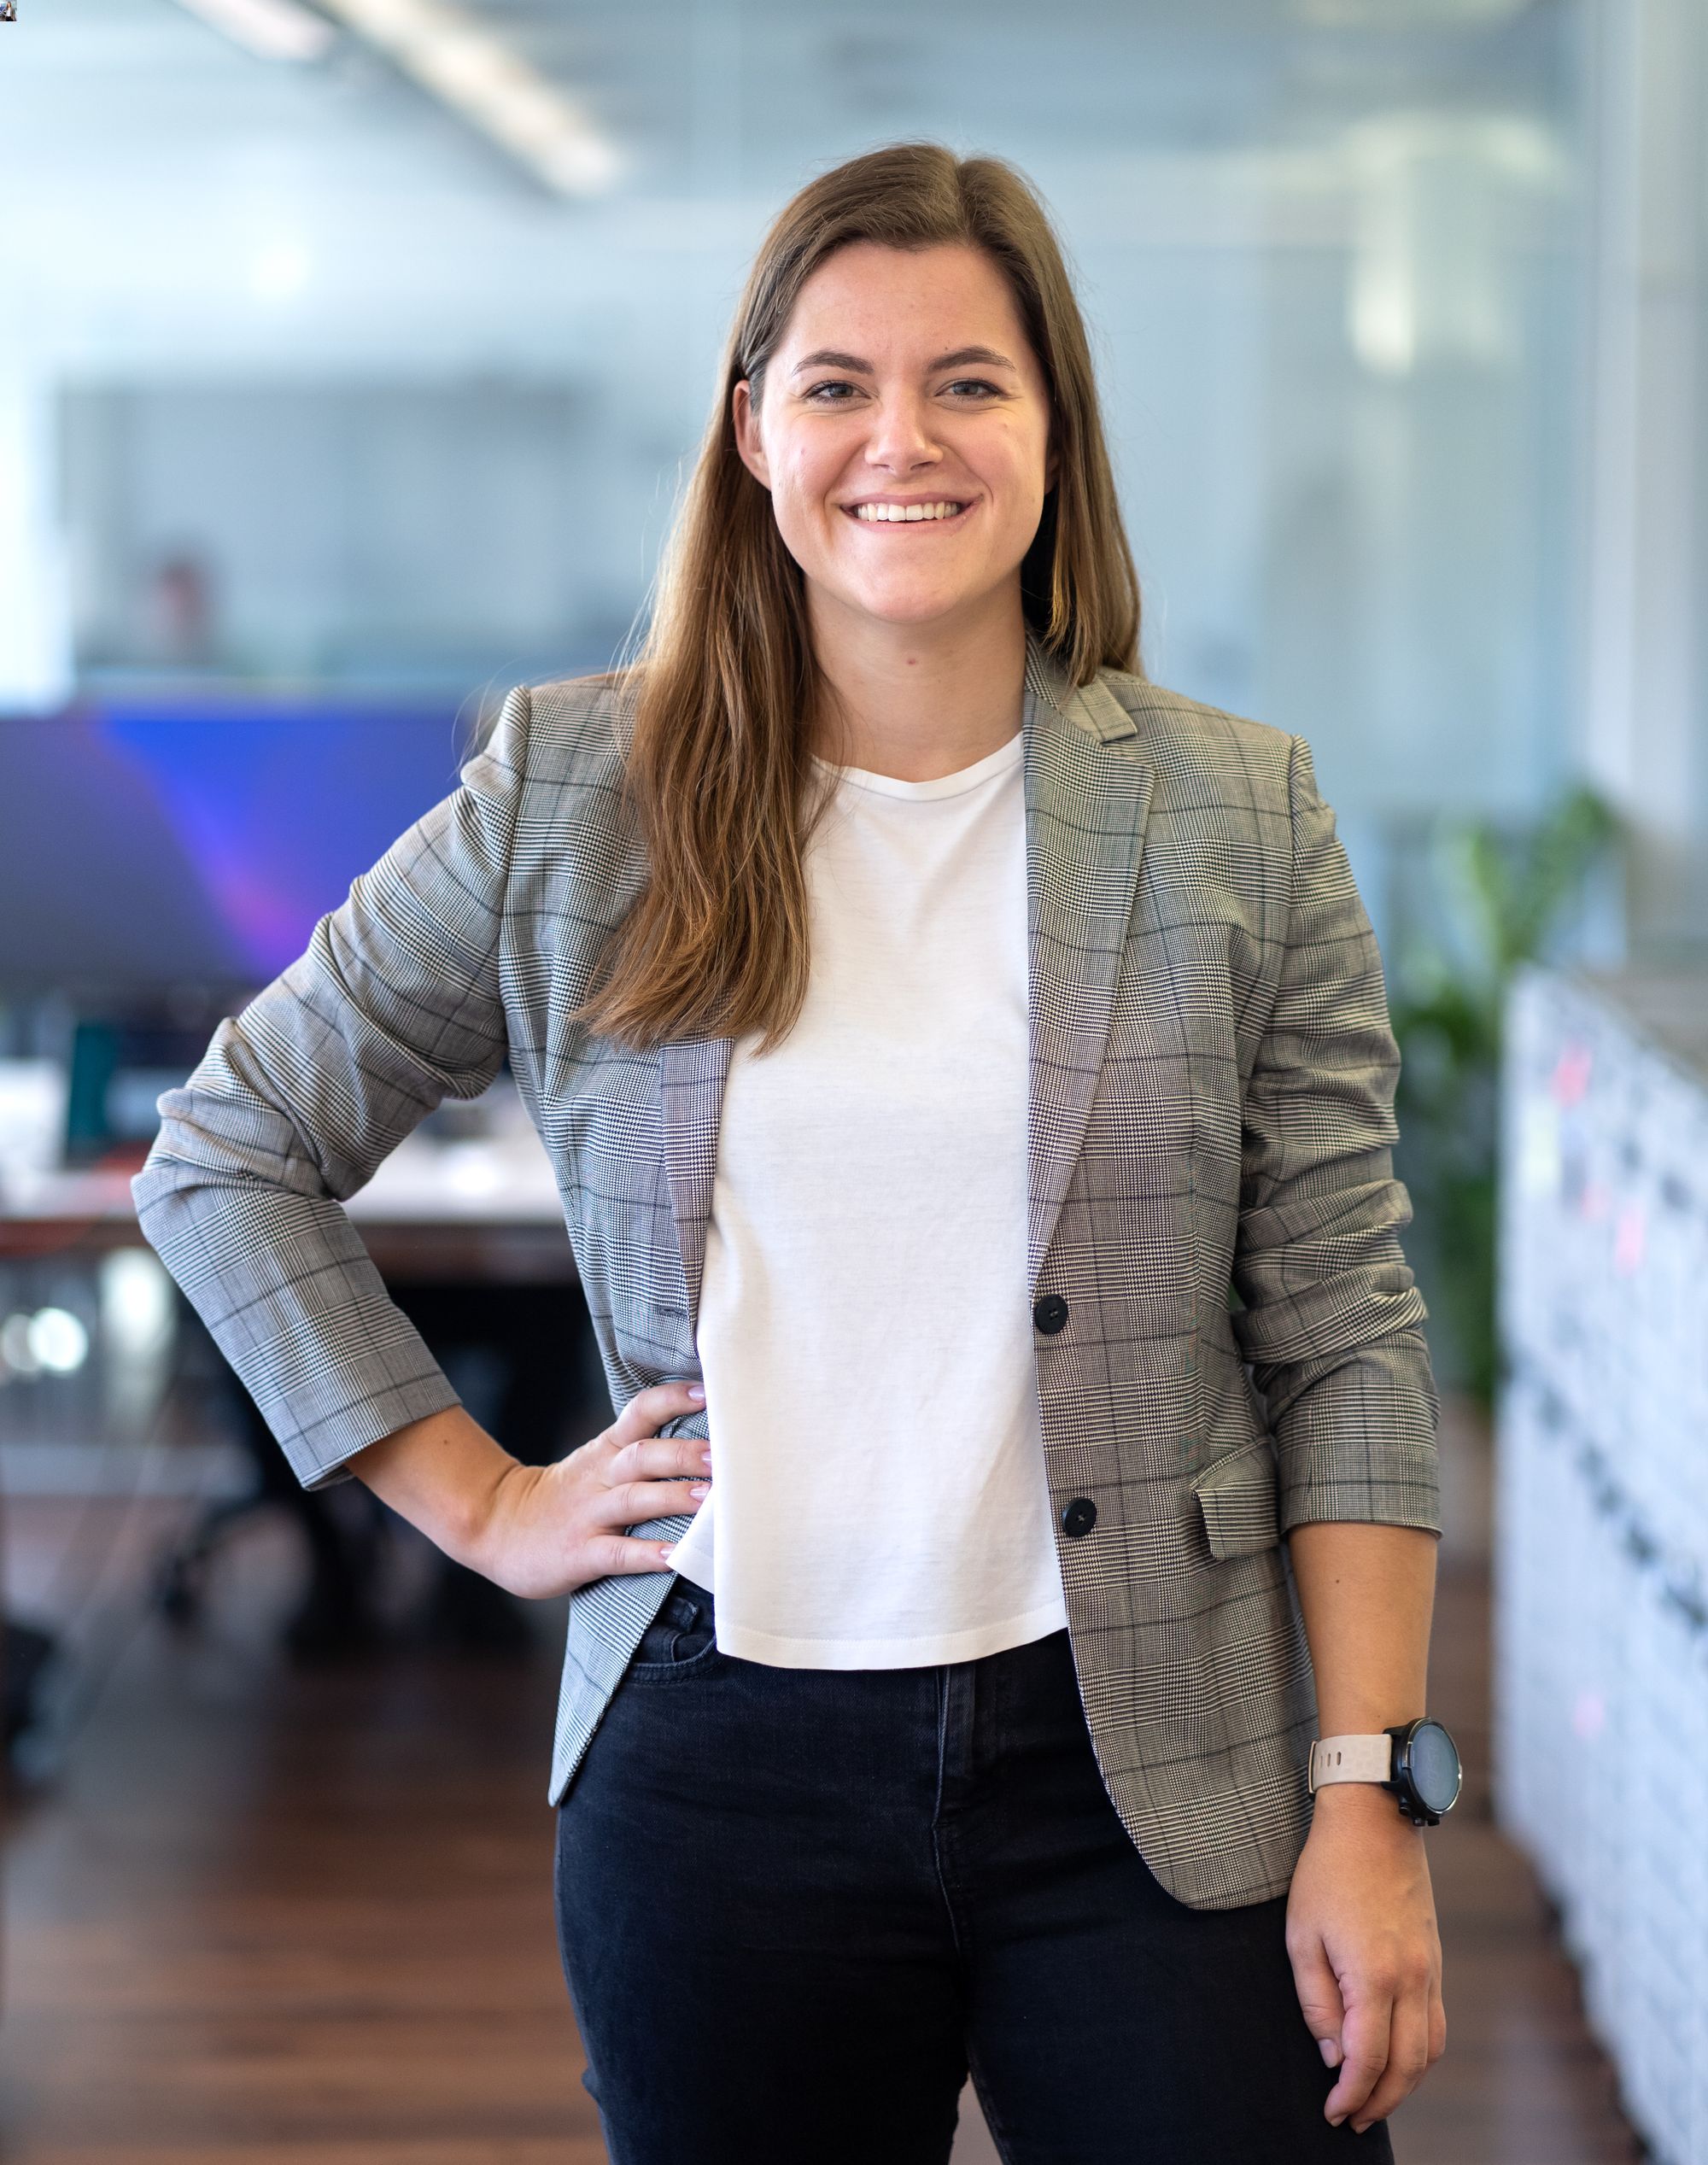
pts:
pixel 887 302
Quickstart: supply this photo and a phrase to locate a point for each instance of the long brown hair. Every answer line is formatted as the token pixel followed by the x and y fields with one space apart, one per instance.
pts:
pixel 719 772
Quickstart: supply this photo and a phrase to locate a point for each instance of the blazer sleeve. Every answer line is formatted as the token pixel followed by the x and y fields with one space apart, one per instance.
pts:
pixel 396 1005
pixel 1331 1323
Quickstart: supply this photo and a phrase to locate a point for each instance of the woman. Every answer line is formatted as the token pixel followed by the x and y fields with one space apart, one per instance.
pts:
pixel 928 1019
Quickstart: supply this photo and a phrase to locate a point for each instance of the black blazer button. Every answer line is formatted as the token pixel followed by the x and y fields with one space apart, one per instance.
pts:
pixel 1050 1313
pixel 1078 1518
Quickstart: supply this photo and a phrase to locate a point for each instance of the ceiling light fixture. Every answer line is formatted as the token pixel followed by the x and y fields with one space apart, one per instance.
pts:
pixel 483 79
pixel 1399 16
pixel 270 29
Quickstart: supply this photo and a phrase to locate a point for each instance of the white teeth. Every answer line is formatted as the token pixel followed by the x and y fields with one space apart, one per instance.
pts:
pixel 894 514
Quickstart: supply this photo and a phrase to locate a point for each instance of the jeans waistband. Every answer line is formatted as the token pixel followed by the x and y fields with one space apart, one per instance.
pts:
pixel 698 1597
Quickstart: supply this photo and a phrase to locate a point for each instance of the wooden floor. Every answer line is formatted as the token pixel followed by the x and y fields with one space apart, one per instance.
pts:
pixel 266 1916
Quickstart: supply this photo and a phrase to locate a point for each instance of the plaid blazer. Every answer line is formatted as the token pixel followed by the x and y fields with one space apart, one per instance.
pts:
pixel 1211 1086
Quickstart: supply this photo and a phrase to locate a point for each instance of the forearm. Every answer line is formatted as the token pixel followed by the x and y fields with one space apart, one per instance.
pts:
pixel 1367 1593
pixel 1360 1917
pixel 443 1474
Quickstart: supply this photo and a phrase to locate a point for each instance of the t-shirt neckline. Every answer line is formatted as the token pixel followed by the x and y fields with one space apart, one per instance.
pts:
pixel 965 778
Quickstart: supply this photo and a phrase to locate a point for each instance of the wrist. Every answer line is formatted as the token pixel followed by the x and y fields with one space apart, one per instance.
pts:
pixel 483 1516
pixel 1356 1800
pixel 448 1477
pixel 1365 1818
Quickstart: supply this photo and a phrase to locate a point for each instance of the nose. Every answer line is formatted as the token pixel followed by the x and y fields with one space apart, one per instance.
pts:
pixel 901 441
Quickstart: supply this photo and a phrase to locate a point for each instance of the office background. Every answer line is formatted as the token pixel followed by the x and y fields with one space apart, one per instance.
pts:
pixel 352 355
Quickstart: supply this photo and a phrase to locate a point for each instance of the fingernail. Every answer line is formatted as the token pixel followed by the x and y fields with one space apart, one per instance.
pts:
pixel 1330 2050
pixel 699 1488
pixel 665 1555
pixel 1335 2118
pixel 705 1458
pixel 696 1391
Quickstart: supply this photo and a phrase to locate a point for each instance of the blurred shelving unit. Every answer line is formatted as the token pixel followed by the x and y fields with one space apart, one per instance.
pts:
pixel 1601 1673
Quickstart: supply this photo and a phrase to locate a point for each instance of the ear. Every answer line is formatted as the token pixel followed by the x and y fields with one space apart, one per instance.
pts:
pixel 748 446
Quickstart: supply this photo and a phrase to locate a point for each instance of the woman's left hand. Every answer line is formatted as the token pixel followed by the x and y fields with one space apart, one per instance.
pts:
pixel 1366 1952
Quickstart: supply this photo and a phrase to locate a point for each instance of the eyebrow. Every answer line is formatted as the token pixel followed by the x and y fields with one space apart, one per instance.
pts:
pixel 827 356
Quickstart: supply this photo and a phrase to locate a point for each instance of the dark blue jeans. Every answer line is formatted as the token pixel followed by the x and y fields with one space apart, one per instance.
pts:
pixel 795 1906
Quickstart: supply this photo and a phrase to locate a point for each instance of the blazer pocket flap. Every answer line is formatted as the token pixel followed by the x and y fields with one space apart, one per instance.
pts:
pixel 1238 1496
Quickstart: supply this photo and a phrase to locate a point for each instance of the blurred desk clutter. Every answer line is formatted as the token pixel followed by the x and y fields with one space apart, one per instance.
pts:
pixel 109 1387
pixel 1602 1517
pixel 469 1170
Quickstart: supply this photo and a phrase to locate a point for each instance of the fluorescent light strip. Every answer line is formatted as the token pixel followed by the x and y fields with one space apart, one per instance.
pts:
pixel 448 53
pixel 270 29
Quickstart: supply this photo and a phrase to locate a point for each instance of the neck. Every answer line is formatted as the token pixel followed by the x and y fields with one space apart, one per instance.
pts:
pixel 918 701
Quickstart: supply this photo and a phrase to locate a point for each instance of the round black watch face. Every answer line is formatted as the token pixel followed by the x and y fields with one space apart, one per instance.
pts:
pixel 1434 1765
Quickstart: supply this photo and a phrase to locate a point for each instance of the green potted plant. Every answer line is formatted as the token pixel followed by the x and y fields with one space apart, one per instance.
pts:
pixel 1503 898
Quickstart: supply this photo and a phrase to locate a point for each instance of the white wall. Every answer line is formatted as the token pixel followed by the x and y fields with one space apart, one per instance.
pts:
pixel 35 618
pixel 1644 541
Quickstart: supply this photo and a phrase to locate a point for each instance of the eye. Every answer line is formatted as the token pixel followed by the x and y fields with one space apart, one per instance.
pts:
pixel 837 383
pixel 973 383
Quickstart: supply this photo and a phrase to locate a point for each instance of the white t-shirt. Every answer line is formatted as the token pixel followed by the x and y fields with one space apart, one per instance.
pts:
pixel 878 1494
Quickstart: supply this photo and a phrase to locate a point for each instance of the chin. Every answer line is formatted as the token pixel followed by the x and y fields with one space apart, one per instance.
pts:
pixel 907 616
pixel 908 608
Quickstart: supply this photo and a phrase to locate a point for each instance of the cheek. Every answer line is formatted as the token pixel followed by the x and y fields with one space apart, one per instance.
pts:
pixel 1011 459
pixel 1028 453
pixel 804 478
pixel 816 465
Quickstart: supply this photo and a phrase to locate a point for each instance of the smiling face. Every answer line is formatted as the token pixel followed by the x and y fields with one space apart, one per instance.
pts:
pixel 903 433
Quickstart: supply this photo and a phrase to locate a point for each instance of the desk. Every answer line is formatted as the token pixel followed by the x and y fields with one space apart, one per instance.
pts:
pixel 469 1236
pixel 485 1209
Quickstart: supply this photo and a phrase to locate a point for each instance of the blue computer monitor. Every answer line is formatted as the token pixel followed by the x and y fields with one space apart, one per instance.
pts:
pixel 148 847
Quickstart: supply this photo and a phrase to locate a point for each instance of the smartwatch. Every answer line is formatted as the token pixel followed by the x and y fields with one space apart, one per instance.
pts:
pixel 1418 1763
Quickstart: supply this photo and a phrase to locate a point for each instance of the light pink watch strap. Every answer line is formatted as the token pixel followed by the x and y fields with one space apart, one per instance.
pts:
pixel 1350 1759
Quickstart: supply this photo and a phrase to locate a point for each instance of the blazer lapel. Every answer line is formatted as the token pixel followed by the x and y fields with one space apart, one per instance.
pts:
pixel 1088 789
